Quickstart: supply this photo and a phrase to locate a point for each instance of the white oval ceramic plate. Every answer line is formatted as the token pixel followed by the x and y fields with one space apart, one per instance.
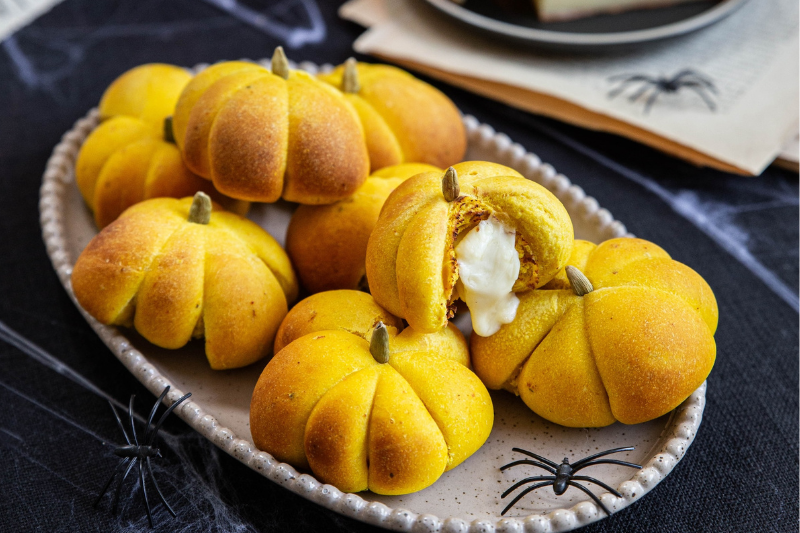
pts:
pixel 464 499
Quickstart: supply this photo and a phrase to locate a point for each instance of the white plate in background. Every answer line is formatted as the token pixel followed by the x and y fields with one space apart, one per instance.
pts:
pixel 589 34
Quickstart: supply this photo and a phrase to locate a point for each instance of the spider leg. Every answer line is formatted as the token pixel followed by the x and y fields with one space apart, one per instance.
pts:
pixel 144 492
pixel 703 95
pixel 601 454
pixel 158 489
pixel 119 423
pixel 528 462
pixel 539 457
pixel 683 73
pixel 130 414
pixel 642 90
pixel 523 493
pixel 153 412
pixel 613 93
pixel 598 482
pixel 119 486
pixel 701 82
pixel 695 76
pixel 609 462
pixel 627 81
pixel 525 481
pixel 651 101
pixel 164 417
pixel 632 77
pixel 621 77
pixel 116 471
pixel 587 491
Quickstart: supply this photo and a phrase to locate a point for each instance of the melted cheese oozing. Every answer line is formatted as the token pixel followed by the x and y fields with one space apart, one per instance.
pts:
pixel 488 266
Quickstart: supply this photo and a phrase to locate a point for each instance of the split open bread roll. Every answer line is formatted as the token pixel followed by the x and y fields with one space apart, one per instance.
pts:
pixel 412 264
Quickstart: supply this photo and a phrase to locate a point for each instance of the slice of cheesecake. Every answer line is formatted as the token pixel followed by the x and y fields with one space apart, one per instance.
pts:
pixel 560 10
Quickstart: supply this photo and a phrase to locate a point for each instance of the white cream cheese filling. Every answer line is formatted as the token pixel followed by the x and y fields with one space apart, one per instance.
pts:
pixel 488 267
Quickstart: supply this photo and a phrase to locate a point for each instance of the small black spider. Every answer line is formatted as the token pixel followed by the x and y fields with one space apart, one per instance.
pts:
pixel 133 453
pixel 563 475
pixel 686 78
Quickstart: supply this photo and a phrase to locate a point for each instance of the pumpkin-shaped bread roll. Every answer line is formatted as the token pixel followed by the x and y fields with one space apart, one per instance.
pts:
pixel 364 405
pixel 175 270
pixel 404 118
pixel 623 333
pixel 130 156
pixel 147 92
pixel 328 243
pixel 481 233
pixel 261 134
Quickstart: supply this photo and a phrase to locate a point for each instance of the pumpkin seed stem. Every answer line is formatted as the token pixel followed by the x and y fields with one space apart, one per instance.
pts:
pixel 169 136
pixel 350 82
pixel 280 63
pixel 200 212
pixel 450 187
pixel 379 344
pixel 580 283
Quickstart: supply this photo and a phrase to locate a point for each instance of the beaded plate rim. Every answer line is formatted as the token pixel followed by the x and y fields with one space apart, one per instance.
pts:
pixel 683 426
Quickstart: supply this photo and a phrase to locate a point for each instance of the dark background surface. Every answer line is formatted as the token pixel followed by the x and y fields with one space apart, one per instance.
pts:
pixel 741 234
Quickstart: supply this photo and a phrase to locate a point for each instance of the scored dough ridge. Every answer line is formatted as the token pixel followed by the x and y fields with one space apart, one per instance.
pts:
pixel 129 308
pixel 507 385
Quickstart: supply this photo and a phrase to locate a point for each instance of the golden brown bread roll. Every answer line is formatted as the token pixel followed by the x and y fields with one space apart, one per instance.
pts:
pixel 262 134
pixel 404 119
pixel 328 243
pixel 412 260
pixel 174 270
pixel 129 157
pixel 363 406
pixel 630 343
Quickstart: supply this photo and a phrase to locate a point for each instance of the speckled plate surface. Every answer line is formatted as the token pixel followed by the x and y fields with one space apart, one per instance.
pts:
pixel 468 497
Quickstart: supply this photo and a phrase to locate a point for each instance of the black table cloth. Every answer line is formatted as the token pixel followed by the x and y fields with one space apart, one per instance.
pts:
pixel 741 234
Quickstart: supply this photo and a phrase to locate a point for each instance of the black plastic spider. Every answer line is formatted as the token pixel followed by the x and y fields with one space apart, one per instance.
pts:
pixel 133 453
pixel 686 78
pixel 563 475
